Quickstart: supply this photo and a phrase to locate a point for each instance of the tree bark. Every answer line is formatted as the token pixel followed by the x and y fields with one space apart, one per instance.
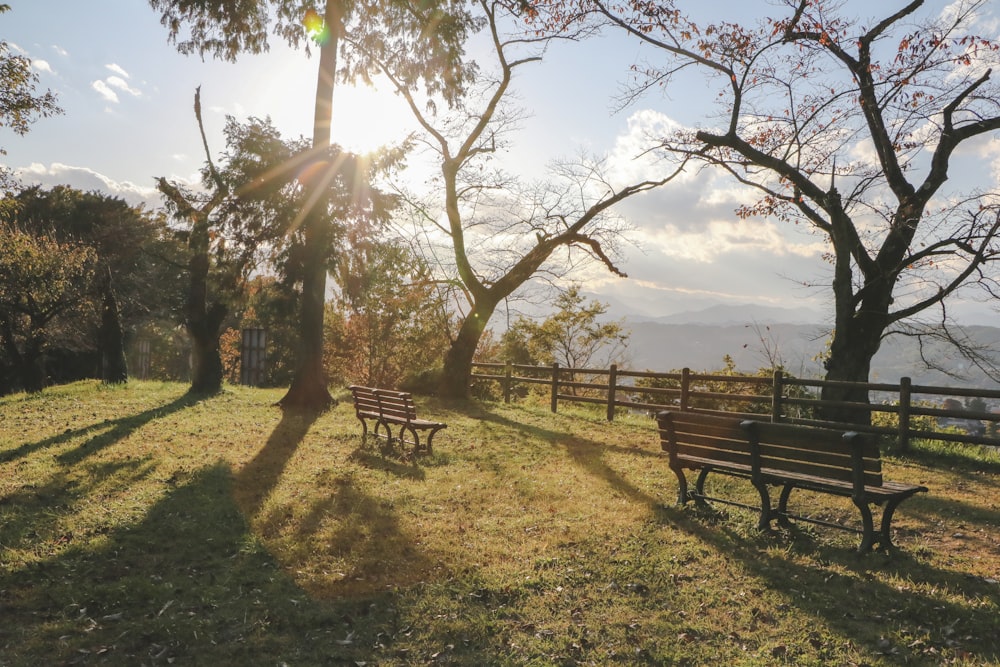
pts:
pixel 309 390
pixel 114 365
pixel 457 371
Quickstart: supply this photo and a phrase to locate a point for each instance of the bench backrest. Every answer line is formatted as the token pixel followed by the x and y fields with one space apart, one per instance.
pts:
pixel 695 434
pixel 397 405
pixel 365 399
pixel 820 452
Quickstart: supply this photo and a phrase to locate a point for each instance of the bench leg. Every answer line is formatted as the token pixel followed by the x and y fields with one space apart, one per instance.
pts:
pixel 699 488
pixel 413 432
pixel 364 428
pixel 379 425
pixel 868 534
pixel 885 538
pixel 430 438
pixel 682 486
pixel 765 506
pixel 782 512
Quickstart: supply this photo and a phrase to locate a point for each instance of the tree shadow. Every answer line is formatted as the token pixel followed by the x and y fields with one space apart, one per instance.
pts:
pixel 257 479
pixel 588 454
pixel 106 433
pixel 189 583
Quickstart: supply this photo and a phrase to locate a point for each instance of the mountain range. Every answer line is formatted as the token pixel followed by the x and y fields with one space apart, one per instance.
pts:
pixel 755 336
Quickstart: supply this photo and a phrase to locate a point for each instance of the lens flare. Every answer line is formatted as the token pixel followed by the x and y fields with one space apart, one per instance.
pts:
pixel 316 27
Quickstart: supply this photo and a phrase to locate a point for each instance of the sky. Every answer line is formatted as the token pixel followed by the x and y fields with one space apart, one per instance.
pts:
pixel 127 96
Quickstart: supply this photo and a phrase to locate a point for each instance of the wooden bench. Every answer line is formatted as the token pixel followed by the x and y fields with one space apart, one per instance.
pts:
pixel 793 457
pixel 386 407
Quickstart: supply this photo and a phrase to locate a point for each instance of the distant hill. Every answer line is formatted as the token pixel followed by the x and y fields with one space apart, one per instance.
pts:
pixel 738 316
pixel 663 346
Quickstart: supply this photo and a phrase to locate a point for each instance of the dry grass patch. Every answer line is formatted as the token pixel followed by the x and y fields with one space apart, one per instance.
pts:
pixel 141 526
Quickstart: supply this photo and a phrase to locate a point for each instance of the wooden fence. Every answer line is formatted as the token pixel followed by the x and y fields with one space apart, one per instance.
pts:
pixel 780 398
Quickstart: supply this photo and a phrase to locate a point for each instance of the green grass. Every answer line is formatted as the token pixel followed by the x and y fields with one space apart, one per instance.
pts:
pixel 139 526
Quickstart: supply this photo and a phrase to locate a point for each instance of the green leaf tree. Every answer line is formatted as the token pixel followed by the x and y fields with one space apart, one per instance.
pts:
pixel 127 242
pixel 43 280
pixel 427 35
pixel 390 319
pixel 20 105
pixel 574 336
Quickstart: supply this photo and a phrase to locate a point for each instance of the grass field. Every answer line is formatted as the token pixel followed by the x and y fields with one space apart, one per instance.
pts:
pixel 139 526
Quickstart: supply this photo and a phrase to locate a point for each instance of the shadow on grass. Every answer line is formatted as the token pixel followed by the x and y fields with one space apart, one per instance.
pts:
pixel 188 583
pixel 106 433
pixel 894 604
pixel 257 479
pixel 588 454
pixel 897 605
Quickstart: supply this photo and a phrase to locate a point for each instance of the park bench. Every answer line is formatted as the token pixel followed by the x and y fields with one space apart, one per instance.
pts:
pixel 846 464
pixel 386 407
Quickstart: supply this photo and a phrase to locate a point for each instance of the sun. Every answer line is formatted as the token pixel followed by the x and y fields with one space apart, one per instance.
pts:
pixel 366 118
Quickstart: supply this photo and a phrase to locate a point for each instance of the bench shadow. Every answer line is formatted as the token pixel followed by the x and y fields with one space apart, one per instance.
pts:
pixel 378 454
pixel 862 597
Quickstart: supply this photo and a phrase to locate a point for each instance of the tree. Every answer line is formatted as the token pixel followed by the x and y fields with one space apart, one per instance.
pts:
pixel 574 336
pixel 390 320
pixel 500 232
pixel 120 236
pixel 43 280
pixel 849 127
pixel 20 106
pixel 427 37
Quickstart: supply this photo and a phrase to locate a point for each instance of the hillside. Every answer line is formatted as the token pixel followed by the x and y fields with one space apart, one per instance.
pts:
pixel 662 346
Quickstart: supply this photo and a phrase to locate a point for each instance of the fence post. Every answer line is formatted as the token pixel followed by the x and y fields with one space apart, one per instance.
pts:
pixel 685 380
pixel 777 390
pixel 904 413
pixel 507 374
pixel 612 391
pixel 555 386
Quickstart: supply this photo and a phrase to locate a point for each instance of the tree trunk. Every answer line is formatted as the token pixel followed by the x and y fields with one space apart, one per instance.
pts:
pixel 456 377
pixel 31 366
pixel 855 342
pixel 309 390
pixel 206 374
pixel 111 339
pixel 203 322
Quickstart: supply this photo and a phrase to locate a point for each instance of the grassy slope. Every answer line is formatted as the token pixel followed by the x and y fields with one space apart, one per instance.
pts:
pixel 138 526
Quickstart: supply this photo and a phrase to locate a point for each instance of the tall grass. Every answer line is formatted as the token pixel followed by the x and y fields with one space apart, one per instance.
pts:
pixel 142 526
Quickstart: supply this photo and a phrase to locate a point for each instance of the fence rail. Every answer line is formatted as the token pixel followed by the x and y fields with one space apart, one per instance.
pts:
pixel 780 398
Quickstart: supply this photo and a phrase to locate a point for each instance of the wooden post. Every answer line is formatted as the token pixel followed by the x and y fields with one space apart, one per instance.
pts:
pixel 612 391
pixel 776 395
pixel 508 373
pixel 685 388
pixel 555 386
pixel 904 414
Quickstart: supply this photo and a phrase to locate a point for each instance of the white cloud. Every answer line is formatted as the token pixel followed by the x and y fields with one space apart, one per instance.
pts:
pixel 718 238
pixel 87 179
pixel 105 91
pixel 60 50
pixel 122 84
pixel 119 70
pixel 41 65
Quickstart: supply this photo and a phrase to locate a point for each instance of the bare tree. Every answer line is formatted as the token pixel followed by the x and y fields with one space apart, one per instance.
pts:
pixel 850 127
pixel 500 232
